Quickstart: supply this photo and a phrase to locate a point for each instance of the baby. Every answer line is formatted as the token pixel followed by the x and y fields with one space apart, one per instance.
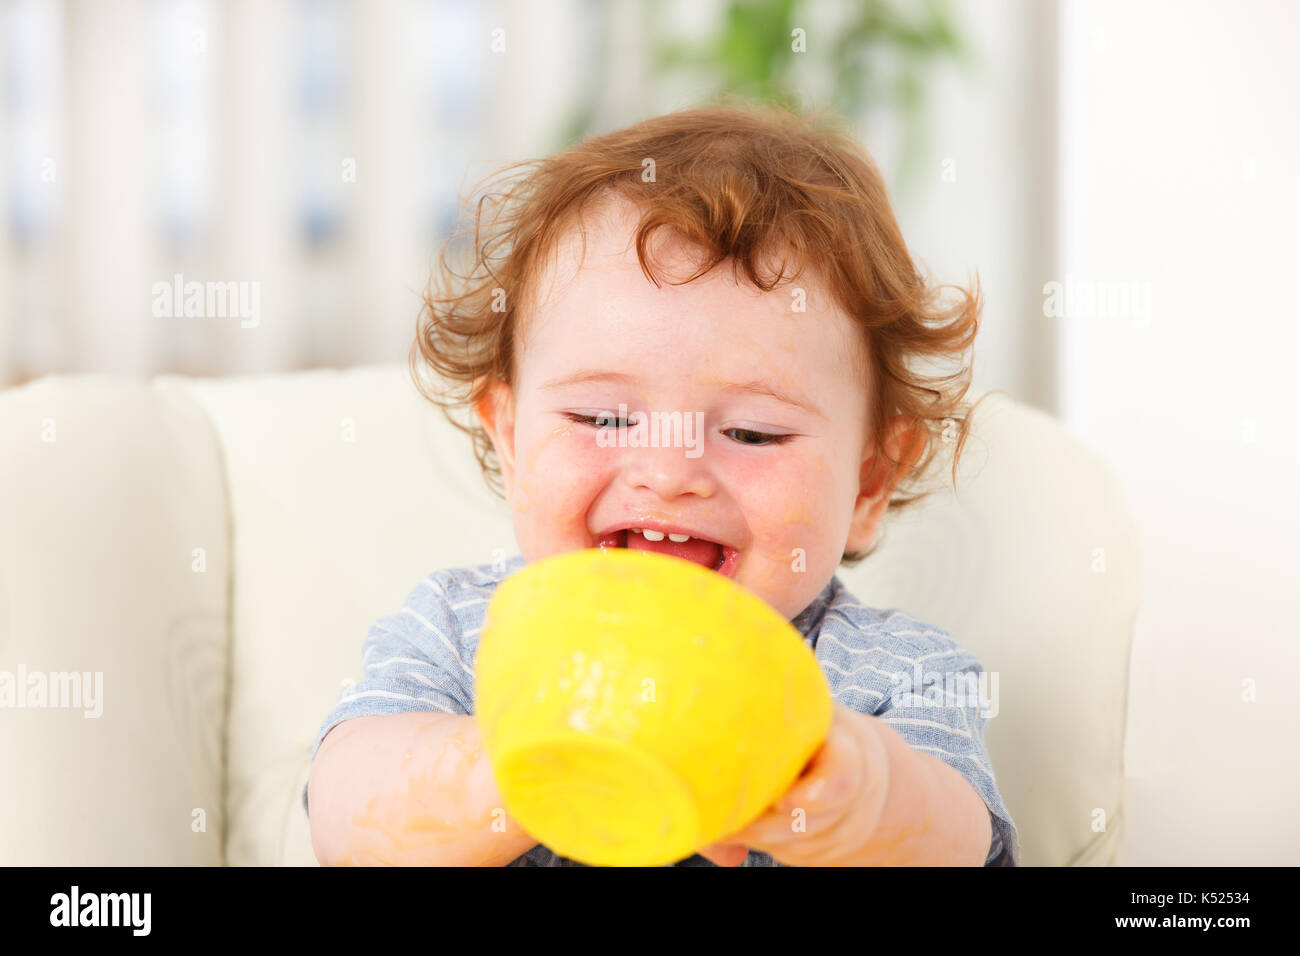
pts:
pixel 734 267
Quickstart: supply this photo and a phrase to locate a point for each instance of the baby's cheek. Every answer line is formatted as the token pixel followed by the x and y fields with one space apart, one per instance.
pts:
pixel 537 443
pixel 790 512
pixel 816 508
pixel 555 492
pixel 796 507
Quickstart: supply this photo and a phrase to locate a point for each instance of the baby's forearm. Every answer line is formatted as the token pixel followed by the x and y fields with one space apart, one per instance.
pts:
pixel 413 789
pixel 932 816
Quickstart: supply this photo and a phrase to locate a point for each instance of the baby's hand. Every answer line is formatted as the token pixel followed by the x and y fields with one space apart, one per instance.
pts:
pixel 831 809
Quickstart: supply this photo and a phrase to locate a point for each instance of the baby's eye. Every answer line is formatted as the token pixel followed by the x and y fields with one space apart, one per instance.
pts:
pixel 605 420
pixel 751 437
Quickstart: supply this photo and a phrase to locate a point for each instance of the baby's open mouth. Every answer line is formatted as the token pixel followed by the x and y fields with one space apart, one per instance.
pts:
pixel 710 554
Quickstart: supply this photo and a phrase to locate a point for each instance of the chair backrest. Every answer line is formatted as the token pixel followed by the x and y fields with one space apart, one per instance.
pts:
pixel 113 568
pixel 1033 565
pixel 333 493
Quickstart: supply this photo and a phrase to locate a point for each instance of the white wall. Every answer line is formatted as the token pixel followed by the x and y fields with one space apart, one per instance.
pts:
pixel 1179 179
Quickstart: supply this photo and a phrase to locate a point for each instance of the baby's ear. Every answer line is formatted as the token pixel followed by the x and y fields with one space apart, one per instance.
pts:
pixel 495 410
pixel 904 441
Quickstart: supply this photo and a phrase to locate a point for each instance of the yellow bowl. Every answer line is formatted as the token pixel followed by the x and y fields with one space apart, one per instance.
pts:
pixel 637 707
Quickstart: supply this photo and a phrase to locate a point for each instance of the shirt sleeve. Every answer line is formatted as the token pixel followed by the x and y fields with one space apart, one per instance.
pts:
pixel 941 706
pixel 415 660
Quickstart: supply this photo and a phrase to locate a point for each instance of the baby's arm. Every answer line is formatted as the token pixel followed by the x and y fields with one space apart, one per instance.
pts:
pixel 868 799
pixel 932 816
pixel 409 789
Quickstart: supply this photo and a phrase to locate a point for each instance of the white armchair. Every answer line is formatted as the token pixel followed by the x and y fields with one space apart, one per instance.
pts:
pixel 217 549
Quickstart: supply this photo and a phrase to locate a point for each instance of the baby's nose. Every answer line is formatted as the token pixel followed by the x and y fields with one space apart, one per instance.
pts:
pixel 668 471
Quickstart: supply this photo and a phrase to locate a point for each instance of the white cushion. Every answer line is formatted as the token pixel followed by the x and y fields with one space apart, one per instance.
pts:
pixel 328 535
pixel 97 536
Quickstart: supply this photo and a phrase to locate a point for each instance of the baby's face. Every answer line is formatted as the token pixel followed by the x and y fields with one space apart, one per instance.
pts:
pixel 771 489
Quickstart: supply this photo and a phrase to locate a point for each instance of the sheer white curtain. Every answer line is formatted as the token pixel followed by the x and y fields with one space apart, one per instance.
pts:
pixel 310 149
pixel 315 150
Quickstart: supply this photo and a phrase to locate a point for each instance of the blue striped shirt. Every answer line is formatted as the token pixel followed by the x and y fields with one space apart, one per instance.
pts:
pixel 910 675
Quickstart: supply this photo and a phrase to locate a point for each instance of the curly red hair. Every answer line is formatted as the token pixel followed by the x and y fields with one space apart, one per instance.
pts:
pixel 737 181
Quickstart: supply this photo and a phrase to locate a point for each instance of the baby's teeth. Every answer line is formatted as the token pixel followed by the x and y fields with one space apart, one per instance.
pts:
pixel 679 538
pixel 653 535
